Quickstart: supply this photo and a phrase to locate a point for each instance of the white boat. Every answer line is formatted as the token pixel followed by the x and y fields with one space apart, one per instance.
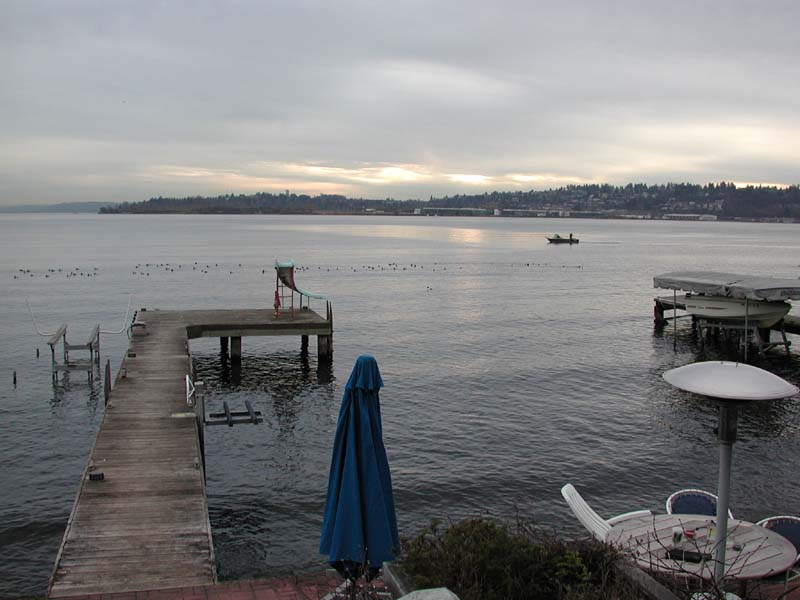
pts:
pixel 757 312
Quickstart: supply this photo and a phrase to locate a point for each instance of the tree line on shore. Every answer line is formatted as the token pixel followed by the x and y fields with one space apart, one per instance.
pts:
pixel 724 200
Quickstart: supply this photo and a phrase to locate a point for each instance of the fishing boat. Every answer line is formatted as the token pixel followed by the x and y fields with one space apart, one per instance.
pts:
pixel 731 296
pixel 557 239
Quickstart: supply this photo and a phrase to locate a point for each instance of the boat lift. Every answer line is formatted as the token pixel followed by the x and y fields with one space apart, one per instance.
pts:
pixel 92 344
pixel 729 285
pixel 195 399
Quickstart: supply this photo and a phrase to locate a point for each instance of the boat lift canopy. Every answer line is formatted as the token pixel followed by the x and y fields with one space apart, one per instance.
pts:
pixel 732 285
pixel 285 271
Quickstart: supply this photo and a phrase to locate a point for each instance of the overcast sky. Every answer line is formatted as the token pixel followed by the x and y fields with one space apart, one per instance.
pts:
pixel 113 100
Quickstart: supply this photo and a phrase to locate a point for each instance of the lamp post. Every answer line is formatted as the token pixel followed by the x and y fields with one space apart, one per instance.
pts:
pixel 732 385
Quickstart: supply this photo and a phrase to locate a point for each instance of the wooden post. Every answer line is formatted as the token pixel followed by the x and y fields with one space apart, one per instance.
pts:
pixel 786 342
pixel 324 347
pixel 675 320
pixel 304 344
pixel 236 347
pixel 658 314
pixel 223 345
pixel 200 415
pixel 107 381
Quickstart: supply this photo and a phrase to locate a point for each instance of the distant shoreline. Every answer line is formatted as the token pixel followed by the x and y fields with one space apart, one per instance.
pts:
pixel 634 201
pixel 62 207
pixel 692 219
pixel 671 201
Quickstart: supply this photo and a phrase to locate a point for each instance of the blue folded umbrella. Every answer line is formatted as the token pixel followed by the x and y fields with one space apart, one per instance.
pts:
pixel 359 531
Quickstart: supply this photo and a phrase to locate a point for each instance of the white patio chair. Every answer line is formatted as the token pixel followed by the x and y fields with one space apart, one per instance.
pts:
pixel 629 515
pixel 788 527
pixel 596 524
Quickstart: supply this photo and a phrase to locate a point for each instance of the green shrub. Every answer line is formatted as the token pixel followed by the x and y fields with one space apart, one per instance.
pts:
pixel 482 559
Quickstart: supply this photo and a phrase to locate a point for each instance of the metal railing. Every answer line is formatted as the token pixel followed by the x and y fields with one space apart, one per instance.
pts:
pixel 190 392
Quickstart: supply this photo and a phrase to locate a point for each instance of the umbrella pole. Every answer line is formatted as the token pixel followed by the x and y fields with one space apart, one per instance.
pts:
pixel 728 414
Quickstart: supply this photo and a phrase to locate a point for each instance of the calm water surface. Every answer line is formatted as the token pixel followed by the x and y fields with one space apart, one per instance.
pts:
pixel 511 367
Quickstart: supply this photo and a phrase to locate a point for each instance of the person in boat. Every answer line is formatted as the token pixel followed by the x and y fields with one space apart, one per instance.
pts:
pixel 570 237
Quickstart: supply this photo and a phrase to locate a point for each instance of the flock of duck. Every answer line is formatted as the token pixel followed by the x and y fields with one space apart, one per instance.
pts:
pixel 145 269
pixel 75 272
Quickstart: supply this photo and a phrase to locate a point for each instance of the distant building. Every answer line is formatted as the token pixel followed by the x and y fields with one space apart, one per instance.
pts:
pixel 462 211
pixel 689 217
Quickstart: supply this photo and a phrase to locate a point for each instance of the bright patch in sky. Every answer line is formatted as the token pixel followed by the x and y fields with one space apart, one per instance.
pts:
pixel 470 179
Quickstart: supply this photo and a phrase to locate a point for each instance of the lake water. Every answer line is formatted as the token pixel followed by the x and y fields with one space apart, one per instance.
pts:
pixel 511 367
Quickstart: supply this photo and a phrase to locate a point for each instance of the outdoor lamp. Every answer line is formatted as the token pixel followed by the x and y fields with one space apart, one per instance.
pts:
pixel 731 384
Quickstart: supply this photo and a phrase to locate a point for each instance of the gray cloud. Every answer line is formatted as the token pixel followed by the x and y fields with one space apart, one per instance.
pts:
pixel 126 100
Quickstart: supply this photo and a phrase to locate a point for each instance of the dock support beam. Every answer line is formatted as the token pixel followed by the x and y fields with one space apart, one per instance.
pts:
pixel 200 415
pixel 324 347
pixel 304 344
pixel 236 348
pixel 107 382
pixel 658 314
pixel 223 345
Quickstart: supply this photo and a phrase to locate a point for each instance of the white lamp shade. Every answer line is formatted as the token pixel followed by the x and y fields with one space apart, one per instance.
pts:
pixel 730 381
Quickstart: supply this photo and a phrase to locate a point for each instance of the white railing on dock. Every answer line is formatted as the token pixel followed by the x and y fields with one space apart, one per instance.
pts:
pixel 190 392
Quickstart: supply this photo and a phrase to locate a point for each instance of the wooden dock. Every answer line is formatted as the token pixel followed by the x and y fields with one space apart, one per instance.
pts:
pixel 140 519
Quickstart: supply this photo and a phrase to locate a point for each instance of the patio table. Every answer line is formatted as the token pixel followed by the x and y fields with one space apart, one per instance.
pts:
pixel 752 552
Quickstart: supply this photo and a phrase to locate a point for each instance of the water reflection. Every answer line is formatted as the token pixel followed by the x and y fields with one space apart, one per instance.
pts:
pixel 466 236
pixel 75 385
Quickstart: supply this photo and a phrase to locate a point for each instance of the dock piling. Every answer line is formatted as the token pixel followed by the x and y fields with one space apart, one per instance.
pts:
pixel 200 415
pixel 236 348
pixel 107 382
pixel 659 320
pixel 324 347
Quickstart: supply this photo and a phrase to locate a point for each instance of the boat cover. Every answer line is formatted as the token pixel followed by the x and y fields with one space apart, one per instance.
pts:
pixel 733 285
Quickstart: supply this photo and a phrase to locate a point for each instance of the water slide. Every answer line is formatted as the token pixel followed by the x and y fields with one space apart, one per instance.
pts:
pixel 285 271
